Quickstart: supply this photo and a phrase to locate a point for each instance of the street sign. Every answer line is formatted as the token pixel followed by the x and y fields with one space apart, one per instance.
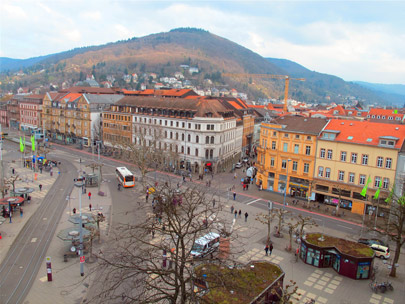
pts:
pixel 82 259
pixel 270 205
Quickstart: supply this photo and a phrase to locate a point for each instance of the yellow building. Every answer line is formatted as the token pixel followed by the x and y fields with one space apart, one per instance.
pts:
pixel 348 154
pixel 286 155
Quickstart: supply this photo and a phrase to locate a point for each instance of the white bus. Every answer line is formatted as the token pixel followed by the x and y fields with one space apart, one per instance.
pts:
pixel 125 177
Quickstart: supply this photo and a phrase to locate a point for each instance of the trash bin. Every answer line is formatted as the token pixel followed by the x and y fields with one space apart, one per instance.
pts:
pixel 65 258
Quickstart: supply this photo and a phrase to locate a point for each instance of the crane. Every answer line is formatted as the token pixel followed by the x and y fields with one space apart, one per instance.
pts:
pixel 285 77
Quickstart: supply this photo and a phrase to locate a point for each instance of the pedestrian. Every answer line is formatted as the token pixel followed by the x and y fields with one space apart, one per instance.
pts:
pixel 232 208
pixel 74 210
pixel 236 213
pixel 147 195
pixel 247 187
pixel 246 216
pixel 234 195
pixel 89 195
pixel 240 213
pixel 234 176
pixel 271 248
pixel 90 207
pixel 153 233
pixel 40 169
pixel 184 179
pixel 244 187
pixel 266 249
pixel 40 187
pixel 21 212
pixel 213 203
pixel 12 171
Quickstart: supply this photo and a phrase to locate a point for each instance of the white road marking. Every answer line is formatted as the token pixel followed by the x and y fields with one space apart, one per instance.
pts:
pixel 253 201
pixel 33 240
pixel 345 227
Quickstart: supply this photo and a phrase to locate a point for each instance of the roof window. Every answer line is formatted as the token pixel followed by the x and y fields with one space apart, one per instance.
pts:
pixel 369 139
pixel 350 137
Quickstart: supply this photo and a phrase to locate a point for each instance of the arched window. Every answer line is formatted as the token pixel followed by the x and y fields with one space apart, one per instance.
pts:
pixel 188 150
pixel 207 140
pixel 196 152
pixel 212 139
pixel 189 137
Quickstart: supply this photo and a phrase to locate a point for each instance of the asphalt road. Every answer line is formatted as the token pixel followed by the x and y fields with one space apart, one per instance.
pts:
pixel 25 256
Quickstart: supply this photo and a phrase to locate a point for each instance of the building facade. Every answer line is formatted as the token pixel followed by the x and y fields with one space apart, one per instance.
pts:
pixel 349 153
pixel 31 112
pixel 202 133
pixel 286 155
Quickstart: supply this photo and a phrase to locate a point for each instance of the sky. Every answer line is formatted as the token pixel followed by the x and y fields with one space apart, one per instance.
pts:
pixel 354 40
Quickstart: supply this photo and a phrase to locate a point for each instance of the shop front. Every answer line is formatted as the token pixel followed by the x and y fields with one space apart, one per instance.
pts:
pixel 347 258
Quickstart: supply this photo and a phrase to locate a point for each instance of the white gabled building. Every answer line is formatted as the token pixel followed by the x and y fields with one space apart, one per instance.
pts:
pixel 203 133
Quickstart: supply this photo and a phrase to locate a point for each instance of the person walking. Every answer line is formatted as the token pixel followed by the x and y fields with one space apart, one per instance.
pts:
pixel 247 187
pixel 236 213
pixel 40 187
pixel 213 203
pixel 12 171
pixel 74 210
pixel 240 213
pixel 90 206
pixel 271 248
pixel 246 216
pixel 266 249
pixel 89 195
pixel 234 195
pixel 21 212
pixel 232 208
pixel 234 176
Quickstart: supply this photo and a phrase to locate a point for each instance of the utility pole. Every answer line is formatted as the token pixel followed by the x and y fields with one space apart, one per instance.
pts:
pixel 79 182
pixel 286 184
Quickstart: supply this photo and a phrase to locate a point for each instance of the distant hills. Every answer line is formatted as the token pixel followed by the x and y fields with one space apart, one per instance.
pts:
pixel 163 53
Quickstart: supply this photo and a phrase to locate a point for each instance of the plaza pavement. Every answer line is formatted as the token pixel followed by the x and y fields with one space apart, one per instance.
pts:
pixel 323 285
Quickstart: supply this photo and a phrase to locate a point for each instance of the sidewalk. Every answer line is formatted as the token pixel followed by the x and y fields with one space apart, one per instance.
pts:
pixel 10 231
pixel 67 285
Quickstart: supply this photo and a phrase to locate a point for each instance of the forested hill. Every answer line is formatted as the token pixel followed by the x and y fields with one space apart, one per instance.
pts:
pixel 163 53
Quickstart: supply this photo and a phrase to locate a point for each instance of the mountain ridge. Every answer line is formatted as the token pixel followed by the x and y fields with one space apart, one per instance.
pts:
pixel 163 53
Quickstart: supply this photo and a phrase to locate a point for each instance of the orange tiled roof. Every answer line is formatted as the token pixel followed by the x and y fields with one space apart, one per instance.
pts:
pixel 235 105
pixel 70 97
pixel 366 132
pixel 384 112
pixel 256 106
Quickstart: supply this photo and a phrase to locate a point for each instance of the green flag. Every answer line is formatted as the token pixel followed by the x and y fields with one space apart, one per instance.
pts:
pixel 395 111
pixel 21 145
pixel 377 193
pixel 33 142
pixel 364 191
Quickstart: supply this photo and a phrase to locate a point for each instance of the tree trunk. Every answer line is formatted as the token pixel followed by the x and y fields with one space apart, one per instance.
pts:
pixel 393 272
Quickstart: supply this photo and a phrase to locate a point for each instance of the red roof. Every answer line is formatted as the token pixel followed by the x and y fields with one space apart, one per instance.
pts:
pixel 366 132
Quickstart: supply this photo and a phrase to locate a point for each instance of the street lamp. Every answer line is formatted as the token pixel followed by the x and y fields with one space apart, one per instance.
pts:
pixel 286 184
pixel 79 183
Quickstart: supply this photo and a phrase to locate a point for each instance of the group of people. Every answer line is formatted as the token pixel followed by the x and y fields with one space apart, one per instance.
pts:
pixel 236 213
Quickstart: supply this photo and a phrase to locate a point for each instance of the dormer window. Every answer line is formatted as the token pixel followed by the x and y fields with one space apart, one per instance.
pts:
pixel 208 114
pixel 378 116
pixel 390 118
pixel 383 117
pixel 373 116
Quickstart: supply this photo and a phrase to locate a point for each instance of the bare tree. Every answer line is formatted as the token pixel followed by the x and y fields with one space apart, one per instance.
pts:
pixel 279 215
pixel 393 226
pixel 289 294
pixel 148 151
pixel 303 221
pixel 151 261
pixel 4 189
pixel 265 218
pixel 291 228
pixel 12 180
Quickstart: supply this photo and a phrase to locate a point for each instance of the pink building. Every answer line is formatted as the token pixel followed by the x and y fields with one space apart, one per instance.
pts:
pixel 3 115
pixel 31 112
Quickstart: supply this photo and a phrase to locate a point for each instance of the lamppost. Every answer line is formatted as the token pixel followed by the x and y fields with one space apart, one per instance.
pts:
pixel 286 184
pixel 79 183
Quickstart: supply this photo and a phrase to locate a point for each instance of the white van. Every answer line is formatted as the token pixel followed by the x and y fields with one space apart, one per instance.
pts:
pixel 381 252
pixel 205 245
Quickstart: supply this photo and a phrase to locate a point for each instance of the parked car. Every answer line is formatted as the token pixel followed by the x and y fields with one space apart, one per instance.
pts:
pixel 238 165
pixel 245 160
pixel 370 242
pixel 381 252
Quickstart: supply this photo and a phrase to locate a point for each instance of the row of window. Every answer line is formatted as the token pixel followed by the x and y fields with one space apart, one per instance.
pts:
pixel 285 147
pixel 351 177
pixel 328 154
pixel 286 135
pixel 383 117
